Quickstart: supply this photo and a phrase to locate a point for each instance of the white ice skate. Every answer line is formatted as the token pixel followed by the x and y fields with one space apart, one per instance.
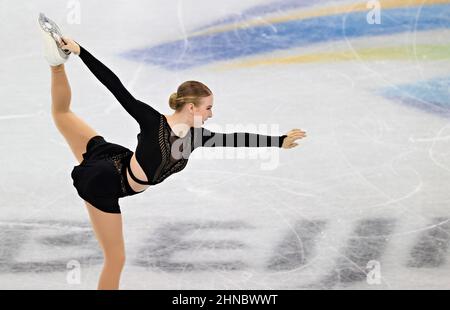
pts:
pixel 52 41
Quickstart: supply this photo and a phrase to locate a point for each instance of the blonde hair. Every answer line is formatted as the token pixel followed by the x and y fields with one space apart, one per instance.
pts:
pixel 188 92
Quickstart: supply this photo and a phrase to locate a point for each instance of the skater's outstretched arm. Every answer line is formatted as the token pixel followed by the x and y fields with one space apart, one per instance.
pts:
pixel 245 139
pixel 239 139
pixel 139 110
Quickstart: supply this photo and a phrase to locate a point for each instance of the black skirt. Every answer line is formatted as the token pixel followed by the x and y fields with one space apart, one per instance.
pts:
pixel 100 178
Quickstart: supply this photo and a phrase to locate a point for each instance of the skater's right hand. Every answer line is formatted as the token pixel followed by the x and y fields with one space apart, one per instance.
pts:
pixel 71 45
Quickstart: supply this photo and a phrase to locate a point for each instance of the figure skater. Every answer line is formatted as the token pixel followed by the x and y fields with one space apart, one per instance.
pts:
pixel 108 171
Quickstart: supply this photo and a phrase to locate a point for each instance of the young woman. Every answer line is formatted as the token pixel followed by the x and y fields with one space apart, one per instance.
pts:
pixel 108 171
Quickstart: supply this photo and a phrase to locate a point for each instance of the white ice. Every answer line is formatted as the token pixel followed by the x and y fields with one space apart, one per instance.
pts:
pixel 362 203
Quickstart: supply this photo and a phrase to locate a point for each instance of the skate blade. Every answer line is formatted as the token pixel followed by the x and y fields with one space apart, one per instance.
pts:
pixel 52 29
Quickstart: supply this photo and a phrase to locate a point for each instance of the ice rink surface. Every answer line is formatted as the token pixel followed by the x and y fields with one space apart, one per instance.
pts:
pixel 362 203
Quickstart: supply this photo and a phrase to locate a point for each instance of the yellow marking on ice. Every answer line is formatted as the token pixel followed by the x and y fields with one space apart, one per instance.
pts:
pixel 418 52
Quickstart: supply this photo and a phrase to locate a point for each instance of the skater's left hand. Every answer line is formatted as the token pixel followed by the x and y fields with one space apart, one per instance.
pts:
pixel 292 136
pixel 71 45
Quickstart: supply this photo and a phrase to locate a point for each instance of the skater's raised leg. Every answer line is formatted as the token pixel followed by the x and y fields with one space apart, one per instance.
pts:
pixel 76 132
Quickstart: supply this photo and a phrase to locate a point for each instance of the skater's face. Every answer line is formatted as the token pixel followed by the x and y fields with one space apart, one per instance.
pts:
pixel 203 111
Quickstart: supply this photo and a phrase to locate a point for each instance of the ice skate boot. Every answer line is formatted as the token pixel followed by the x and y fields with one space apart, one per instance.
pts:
pixel 52 41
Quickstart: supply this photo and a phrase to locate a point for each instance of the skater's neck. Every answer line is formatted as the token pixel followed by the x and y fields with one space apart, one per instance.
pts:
pixel 179 123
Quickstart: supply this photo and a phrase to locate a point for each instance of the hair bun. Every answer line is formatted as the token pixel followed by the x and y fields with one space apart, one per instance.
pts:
pixel 173 101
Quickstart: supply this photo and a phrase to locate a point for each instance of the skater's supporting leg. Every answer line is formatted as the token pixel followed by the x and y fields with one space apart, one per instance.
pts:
pixel 108 230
